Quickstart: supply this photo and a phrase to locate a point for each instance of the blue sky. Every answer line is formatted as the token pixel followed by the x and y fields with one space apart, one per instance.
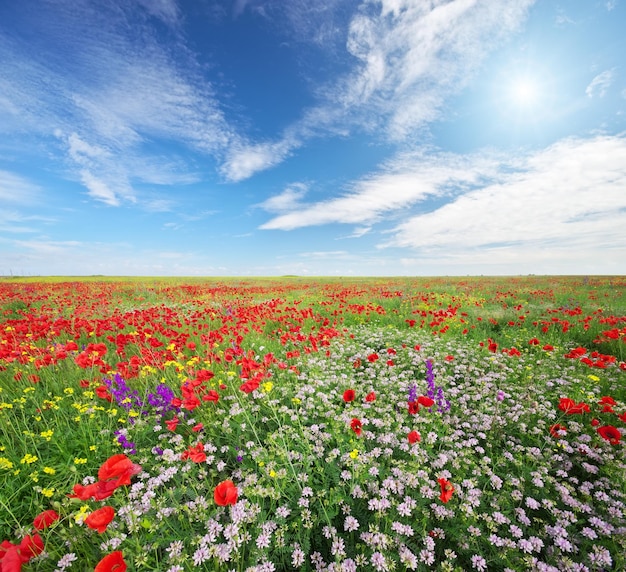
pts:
pixel 312 137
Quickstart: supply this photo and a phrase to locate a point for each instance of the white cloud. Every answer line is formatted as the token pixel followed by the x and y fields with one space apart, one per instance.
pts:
pixel 16 189
pixel 402 182
pixel 561 203
pixel 243 160
pixel 406 58
pixel 109 89
pixel 288 200
pixel 600 84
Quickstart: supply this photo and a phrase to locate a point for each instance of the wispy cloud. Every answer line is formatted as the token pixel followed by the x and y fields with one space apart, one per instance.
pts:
pixel 600 84
pixel 15 189
pixel 290 199
pixel 404 181
pixel 484 207
pixel 566 198
pixel 109 90
pixel 405 59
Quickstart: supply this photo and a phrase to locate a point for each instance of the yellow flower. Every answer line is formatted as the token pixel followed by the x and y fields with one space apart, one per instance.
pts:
pixel 68 391
pixel 354 453
pixel 47 492
pixel 28 459
pixel 92 447
pixel 267 386
pixel 81 515
pixel 593 377
pixel 5 463
pixel 47 434
pixel 28 390
pixel 34 476
pixel 49 470
pixel 272 473
pixel 79 461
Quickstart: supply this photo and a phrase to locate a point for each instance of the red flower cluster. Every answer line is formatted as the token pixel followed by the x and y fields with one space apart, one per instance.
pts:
pixel 195 454
pixel 115 472
pixel 12 556
pixel 570 407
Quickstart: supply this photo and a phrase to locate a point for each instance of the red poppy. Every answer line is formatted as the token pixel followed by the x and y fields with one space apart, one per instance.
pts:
pixel 83 492
pixel 102 391
pixel 372 358
pixel 622 417
pixel 413 407
pixel 197 427
pixel 10 557
pixel 212 395
pixel 556 429
pixel 113 562
pixel 31 546
pixel 250 385
pixel 100 519
pixel 225 493
pixel 370 397
pixel 607 400
pixel 425 401
pixel 349 395
pixel 570 407
pixel 446 490
pixel 414 437
pixel 45 519
pixel 172 423
pixel 356 426
pixel 610 433
pixel 118 467
pixel 196 454
pixel 595 422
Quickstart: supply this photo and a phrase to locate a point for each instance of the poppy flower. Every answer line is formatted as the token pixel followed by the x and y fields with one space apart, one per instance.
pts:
pixel 446 490
pixel 413 407
pixel 100 519
pixel 425 401
pixel 607 400
pixel 102 391
pixel 356 426
pixel 212 395
pixel 31 546
pixel 113 562
pixel 556 429
pixel 10 557
pixel 45 519
pixel 172 423
pixel 414 437
pixel 370 397
pixel 372 358
pixel 610 433
pixel 225 493
pixel 118 467
pixel 196 454
pixel 349 395
pixel 249 386
pixel 570 407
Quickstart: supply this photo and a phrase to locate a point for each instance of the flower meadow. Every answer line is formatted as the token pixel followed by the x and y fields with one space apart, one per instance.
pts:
pixel 449 424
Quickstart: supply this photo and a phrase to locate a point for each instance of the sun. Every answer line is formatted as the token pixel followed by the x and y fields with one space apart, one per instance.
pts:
pixel 524 92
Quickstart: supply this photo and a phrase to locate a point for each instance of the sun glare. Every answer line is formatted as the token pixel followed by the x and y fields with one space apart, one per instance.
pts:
pixel 524 92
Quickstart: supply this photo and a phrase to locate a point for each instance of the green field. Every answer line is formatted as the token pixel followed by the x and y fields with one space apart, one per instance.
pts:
pixel 296 423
